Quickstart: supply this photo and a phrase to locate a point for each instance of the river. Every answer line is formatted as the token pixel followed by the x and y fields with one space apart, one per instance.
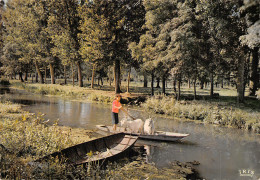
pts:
pixel 223 153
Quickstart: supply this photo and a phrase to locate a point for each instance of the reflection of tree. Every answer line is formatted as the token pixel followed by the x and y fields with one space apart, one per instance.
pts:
pixel 149 152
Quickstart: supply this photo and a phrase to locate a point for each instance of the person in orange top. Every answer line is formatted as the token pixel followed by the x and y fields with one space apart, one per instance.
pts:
pixel 116 105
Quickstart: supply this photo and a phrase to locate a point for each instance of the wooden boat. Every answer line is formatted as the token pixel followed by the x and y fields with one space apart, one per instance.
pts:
pixel 103 149
pixel 157 136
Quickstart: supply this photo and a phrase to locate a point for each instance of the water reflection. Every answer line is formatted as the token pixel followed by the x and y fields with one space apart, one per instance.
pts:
pixel 222 152
pixel 149 153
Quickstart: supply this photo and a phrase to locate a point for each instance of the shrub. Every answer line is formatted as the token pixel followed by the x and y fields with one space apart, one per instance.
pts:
pixel 4 81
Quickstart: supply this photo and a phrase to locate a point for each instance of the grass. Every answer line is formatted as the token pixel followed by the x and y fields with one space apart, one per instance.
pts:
pixel 69 91
pixel 25 137
pixel 225 113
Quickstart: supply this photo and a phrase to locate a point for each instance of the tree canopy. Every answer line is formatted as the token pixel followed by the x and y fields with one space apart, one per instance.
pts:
pixel 170 39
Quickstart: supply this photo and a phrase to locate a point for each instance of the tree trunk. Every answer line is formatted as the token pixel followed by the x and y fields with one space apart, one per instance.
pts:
pixel 211 84
pixel 145 80
pixel 254 77
pixel 174 84
pixel 240 80
pixel 222 83
pixel 179 88
pixel 128 80
pixel 152 89
pixel 39 74
pixel 201 84
pixel 189 83
pixel 26 76
pixel 65 75
pixel 52 74
pixel 21 76
pixel 117 76
pixel 109 76
pixel 45 74
pixel 73 78
pixel 194 85
pixel 80 80
pixel 163 84
pixel 36 77
pixel 158 82
pixel 32 77
pixel 93 76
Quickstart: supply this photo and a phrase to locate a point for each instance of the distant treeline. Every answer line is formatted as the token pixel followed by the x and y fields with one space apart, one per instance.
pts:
pixel 196 40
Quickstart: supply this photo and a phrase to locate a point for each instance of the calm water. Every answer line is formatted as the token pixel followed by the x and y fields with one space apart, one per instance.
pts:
pixel 222 152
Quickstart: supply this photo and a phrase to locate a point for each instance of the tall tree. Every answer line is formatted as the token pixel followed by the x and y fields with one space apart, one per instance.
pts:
pixel 63 26
pixel 1 29
pixel 250 11
pixel 23 30
pixel 151 50
pixel 222 28
pixel 120 23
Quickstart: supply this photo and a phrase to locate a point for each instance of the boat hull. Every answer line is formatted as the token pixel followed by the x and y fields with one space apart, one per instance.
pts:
pixel 98 151
pixel 157 136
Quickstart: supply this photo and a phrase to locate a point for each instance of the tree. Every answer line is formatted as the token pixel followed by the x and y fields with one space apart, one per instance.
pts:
pixel 250 11
pixel 151 49
pixel 93 32
pixel 1 28
pixel 22 31
pixel 222 28
pixel 63 27
pixel 113 24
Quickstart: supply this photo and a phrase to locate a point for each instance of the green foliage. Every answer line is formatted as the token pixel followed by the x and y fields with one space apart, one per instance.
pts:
pixel 250 11
pixel 107 27
pixel 63 28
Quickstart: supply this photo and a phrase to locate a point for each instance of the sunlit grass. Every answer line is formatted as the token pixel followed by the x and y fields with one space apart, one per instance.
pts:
pixel 25 137
pixel 8 107
pixel 70 91
pixel 212 112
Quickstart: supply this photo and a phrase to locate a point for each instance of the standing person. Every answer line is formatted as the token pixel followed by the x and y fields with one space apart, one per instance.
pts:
pixel 116 105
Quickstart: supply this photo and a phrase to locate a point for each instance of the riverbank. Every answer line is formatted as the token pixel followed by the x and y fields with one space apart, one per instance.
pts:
pixel 222 110
pixel 220 113
pixel 25 137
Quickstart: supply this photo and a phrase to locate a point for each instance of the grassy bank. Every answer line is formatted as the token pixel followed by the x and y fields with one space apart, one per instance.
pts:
pixel 25 137
pixel 69 91
pixel 225 113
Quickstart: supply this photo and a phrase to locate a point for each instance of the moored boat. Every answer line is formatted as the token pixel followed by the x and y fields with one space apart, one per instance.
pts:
pixel 108 148
pixel 157 136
